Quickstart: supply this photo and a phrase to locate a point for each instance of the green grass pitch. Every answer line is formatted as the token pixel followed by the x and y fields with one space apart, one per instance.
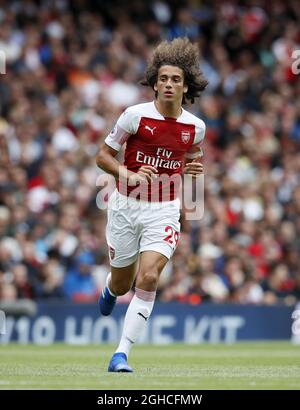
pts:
pixel 251 366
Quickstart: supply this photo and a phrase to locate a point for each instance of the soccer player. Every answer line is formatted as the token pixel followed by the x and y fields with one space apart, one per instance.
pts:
pixel 162 139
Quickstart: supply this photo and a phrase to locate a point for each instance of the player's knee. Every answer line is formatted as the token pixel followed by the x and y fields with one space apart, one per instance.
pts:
pixel 150 279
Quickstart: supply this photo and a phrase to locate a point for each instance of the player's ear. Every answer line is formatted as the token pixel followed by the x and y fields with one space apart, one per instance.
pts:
pixel 185 88
pixel 155 87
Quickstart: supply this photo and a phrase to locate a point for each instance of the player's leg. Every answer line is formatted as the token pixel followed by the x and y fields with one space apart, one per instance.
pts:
pixel 122 239
pixel 158 240
pixel 119 281
pixel 151 266
pixel 140 307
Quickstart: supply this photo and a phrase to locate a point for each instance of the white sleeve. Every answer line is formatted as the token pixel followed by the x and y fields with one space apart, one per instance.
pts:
pixel 195 149
pixel 126 125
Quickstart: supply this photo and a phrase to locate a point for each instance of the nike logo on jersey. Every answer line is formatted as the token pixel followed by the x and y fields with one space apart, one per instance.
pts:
pixel 144 317
pixel 150 129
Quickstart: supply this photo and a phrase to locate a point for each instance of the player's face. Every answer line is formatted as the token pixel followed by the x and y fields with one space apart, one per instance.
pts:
pixel 170 85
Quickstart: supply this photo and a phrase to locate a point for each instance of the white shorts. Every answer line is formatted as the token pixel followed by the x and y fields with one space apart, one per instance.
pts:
pixel 135 226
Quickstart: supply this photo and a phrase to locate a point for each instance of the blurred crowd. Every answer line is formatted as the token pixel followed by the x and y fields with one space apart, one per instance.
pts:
pixel 71 69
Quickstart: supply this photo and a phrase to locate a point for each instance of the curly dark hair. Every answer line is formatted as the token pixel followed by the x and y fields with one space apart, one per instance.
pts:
pixel 183 54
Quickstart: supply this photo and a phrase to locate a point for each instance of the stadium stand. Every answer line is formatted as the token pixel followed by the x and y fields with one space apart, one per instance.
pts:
pixel 72 67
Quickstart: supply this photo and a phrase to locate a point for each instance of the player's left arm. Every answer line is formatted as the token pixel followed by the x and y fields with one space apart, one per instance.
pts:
pixel 192 163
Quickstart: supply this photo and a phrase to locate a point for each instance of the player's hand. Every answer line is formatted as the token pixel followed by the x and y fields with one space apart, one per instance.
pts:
pixel 146 173
pixel 194 168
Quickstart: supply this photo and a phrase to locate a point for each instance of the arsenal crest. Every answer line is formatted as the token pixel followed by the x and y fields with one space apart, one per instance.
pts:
pixel 185 136
pixel 111 252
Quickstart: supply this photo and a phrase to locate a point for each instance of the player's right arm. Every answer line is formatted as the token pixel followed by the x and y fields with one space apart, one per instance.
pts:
pixel 106 160
pixel 126 125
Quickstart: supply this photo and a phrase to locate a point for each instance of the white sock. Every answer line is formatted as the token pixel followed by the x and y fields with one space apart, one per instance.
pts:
pixel 136 317
pixel 108 283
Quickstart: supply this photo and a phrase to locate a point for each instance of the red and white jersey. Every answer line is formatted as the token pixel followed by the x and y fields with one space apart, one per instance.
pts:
pixel 161 142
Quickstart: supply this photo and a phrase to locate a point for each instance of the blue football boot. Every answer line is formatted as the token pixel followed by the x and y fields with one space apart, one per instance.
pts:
pixel 118 363
pixel 106 302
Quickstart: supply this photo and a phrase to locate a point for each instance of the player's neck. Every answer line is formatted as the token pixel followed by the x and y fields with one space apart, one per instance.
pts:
pixel 168 109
